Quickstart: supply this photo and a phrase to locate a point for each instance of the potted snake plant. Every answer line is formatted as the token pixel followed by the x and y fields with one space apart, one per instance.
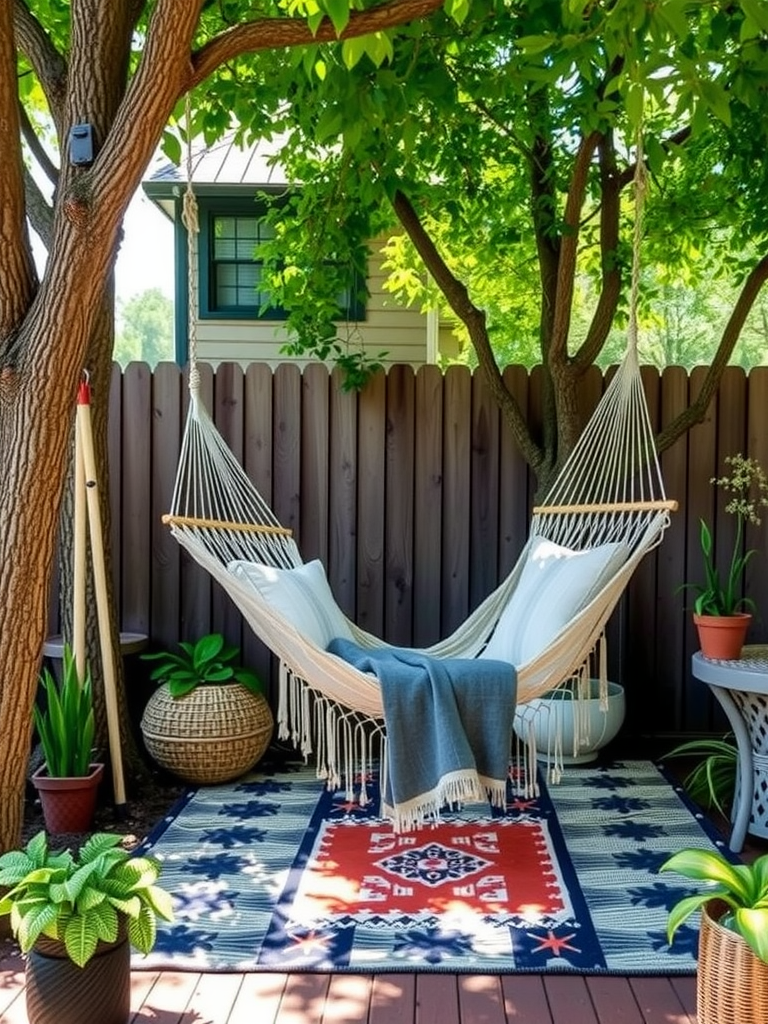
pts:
pixel 76 918
pixel 208 721
pixel 68 779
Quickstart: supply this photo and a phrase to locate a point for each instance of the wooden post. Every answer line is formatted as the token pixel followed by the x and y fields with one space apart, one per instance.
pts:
pixel 100 586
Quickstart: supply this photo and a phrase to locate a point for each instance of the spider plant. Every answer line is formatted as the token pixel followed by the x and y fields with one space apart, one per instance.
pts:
pixel 711 782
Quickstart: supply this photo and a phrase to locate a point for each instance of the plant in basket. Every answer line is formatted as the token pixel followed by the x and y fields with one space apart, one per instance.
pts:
pixel 732 976
pixel 721 614
pixel 68 780
pixel 208 721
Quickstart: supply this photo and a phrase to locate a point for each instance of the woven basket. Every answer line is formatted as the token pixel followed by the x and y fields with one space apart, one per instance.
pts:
pixel 732 983
pixel 213 734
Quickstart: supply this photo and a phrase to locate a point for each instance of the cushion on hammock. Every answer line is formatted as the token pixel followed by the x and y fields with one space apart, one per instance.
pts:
pixel 301 595
pixel 555 584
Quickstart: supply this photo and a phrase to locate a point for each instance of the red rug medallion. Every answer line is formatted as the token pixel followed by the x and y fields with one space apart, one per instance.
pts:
pixel 496 866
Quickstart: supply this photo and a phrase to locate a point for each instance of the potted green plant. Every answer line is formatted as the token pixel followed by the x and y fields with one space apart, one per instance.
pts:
pixel 68 779
pixel 76 918
pixel 732 975
pixel 208 721
pixel 712 780
pixel 719 608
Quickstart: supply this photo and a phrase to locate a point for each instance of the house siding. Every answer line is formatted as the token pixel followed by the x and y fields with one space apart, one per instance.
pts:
pixel 388 327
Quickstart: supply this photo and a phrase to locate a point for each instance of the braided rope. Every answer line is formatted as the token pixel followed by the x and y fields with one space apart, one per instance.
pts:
pixel 189 217
pixel 640 184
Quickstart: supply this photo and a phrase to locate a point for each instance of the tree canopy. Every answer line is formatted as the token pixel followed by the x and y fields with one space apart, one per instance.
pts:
pixel 505 151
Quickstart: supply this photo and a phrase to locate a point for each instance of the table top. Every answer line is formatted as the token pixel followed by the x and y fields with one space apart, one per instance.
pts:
pixel 749 672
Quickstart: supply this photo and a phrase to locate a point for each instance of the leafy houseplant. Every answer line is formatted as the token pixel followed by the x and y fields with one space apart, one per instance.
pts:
pixel 206 662
pixel 732 976
pixel 719 596
pixel 78 900
pixel 68 780
pixel 76 918
pixel 208 721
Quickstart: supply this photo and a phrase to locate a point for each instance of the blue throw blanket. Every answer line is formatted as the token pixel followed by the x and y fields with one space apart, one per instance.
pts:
pixel 449 728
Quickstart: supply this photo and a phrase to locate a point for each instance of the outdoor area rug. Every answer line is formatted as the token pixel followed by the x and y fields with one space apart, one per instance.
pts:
pixel 273 872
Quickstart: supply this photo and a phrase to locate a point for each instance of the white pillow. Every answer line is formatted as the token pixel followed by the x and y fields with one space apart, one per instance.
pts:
pixel 301 595
pixel 555 584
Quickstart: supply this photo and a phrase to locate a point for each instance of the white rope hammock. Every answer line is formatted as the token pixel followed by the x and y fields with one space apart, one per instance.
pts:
pixel 610 492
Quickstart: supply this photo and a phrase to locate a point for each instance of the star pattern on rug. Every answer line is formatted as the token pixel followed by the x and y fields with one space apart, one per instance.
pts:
pixel 554 944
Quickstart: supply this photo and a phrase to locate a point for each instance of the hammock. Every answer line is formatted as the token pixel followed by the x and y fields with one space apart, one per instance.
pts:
pixel 606 510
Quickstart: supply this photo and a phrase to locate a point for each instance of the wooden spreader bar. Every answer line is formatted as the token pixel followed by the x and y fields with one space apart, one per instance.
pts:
pixel 610 506
pixel 222 524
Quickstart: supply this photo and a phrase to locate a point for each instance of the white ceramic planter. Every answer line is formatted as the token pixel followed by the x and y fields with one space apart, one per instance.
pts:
pixel 583 727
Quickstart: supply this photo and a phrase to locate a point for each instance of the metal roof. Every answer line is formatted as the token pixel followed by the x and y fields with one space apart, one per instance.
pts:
pixel 225 163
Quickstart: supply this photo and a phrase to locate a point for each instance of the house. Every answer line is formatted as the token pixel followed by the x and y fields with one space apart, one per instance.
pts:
pixel 229 324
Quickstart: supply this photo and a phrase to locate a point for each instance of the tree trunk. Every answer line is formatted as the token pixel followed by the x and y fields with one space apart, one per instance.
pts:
pixel 37 437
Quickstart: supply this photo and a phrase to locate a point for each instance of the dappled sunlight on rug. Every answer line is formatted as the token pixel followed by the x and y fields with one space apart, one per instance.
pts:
pixel 274 873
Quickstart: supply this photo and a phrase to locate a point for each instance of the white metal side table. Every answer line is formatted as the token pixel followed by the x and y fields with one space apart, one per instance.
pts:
pixel 741 687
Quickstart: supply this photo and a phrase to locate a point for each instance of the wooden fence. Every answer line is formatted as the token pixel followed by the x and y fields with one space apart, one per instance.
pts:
pixel 417 501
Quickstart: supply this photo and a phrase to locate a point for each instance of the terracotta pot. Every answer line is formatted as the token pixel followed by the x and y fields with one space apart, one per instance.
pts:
pixel 722 636
pixel 60 992
pixel 68 803
pixel 731 983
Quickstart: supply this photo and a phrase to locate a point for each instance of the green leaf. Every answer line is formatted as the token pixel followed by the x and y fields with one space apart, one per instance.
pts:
pixel 352 51
pixel 457 10
pixel 207 649
pixel 752 925
pixel 338 12
pixel 709 866
pixel 535 44
pixel 683 909
pixel 80 938
pixel 142 930
pixel 757 11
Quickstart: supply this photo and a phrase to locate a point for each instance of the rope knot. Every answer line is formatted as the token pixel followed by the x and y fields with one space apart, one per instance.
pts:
pixel 189 211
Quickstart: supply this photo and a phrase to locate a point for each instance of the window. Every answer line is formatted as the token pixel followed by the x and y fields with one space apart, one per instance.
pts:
pixel 230 275
pixel 236 275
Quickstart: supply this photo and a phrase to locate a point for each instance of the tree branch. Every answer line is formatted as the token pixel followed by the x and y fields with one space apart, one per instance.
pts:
pixel 49 65
pixel 569 246
pixel 269 33
pixel 610 291
pixel 697 410
pixel 36 147
pixel 39 210
pixel 458 299
pixel 19 278
pixel 161 77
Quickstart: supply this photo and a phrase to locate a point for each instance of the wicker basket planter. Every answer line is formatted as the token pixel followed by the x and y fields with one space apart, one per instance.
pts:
pixel 732 984
pixel 213 734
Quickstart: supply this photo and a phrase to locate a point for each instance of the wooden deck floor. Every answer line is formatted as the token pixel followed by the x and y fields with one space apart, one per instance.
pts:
pixel 186 998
